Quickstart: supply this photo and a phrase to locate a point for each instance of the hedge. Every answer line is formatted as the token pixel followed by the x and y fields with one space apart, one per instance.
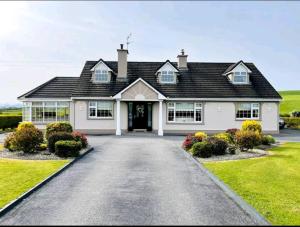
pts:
pixel 292 122
pixel 9 121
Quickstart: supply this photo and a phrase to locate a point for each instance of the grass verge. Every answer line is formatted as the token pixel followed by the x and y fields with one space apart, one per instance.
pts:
pixel 18 176
pixel 270 184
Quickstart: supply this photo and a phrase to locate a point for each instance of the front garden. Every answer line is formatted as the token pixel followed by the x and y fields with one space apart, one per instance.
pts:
pixel 59 141
pixel 247 142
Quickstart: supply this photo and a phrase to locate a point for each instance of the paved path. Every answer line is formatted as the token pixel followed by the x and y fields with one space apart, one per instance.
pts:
pixel 130 181
pixel 288 135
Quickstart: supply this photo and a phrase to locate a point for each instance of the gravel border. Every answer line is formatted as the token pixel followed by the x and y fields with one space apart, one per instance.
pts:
pixel 42 155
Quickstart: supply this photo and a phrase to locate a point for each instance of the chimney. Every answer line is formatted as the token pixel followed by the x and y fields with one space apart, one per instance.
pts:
pixel 122 63
pixel 182 60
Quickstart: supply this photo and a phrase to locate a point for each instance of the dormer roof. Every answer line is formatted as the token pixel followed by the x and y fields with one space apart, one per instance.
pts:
pixel 231 68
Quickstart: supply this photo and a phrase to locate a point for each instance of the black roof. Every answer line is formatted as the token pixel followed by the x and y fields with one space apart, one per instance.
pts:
pixel 201 80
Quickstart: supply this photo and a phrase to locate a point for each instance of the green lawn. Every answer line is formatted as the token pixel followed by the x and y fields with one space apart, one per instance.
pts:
pixel 291 101
pixel 18 176
pixel 270 184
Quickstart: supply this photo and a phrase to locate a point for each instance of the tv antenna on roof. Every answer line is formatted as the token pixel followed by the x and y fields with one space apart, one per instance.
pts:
pixel 127 40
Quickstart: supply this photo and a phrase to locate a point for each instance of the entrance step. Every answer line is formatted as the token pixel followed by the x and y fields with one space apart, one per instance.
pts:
pixel 140 134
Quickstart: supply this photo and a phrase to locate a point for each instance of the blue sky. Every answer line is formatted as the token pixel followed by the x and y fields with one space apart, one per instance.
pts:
pixel 40 40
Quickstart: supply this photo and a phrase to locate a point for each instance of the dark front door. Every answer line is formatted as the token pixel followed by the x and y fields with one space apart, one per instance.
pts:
pixel 139 115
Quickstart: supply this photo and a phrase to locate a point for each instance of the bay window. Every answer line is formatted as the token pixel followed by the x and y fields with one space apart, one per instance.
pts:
pixel 184 112
pixel 101 109
pixel 247 111
pixel 44 112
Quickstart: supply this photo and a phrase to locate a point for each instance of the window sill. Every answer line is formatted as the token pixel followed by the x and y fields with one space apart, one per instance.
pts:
pixel 245 119
pixel 185 123
pixel 100 118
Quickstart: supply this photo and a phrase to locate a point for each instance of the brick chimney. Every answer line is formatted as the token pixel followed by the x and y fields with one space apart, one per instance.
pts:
pixel 182 60
pixel 122 63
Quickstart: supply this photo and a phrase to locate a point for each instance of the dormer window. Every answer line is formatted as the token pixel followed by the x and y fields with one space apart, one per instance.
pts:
pixel 167 77
pixel 101 75
pixel 240 77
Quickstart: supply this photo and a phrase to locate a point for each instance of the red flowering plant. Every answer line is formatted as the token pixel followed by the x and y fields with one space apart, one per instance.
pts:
pixel 189 141
pixel 78 136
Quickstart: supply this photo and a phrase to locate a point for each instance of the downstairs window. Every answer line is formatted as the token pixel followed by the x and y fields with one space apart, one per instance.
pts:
pixel 101 109
pixel 247 111
pixel 184 112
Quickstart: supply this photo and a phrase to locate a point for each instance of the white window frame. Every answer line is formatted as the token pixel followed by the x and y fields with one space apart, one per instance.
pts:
pixel 240 75
pixel 99 74
pixel 44 106
pixel 167 73
pixel 254 106
pixel 96 108
pixel 197 106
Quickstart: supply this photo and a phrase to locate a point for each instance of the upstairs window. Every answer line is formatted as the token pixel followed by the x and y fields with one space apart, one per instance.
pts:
pixel 167 77
pixel 247 111
pixel 240 77
pixel 101 75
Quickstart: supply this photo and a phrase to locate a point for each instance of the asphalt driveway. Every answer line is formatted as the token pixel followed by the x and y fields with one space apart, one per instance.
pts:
pixel 130 181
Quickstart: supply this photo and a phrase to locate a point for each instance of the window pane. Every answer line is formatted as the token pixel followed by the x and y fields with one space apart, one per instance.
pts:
pixel 198 115
pixel 26 111
pixel 49 114
pixel 101 75
pixel 240 77
pixel 39 104
pixel 63 104
pixel 185 106
pixel 37 114
pixel 92 112
pixel 171 115
pixel 63 113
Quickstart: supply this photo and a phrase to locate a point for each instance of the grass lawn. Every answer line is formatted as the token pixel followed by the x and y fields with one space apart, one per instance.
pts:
pixel 270 184
pixel 291 101
pixel 18 176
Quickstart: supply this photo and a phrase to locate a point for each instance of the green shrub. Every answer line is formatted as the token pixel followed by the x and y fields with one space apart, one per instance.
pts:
pixel 284 115
pixel 246 140
pixel 219 146
pixel 295 113
pixel 25 124
pixel 28 139
pixel 9 121
pixel 42 147
pixel 292 122
pixel 202 149
pixel 250 125
pixel 200 136
pixel 67 148
pixel 267 140
pixel 78 136
pixel 225 136
pixel 61 126
pixel 9 142
pixel 57 136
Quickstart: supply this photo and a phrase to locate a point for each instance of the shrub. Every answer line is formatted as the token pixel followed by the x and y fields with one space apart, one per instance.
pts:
pixel 284 115
pixel 42 147
pixel 80 137
pixel 61 126
pixel 25 124
pixel 27 139
pixel 57 136
pixel 200 136
pixel 219 146
pixel 292 122
pixel 202 149
pixel 267 140
pixel 232 131
pixel 9 121
pixel 251 125
pixel 225 136
pixel 295 114
pixel 246 140
pixel 232 149
pixel 10 142
pixel 67 148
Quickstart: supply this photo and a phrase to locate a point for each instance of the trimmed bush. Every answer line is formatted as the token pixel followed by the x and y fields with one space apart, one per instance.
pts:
pixel 202 149
pixel 224 136
pixel 57 136
pixel 250 125
pixel 25 124
pixel 10 142
pixel 27 139
pixel 78 136
pixel 295 114
pixel 246 140
pixel 67 148
pixel 219 146
pixel 267 140
pixel 292 122
pixel 200 136
pixel 9 121
pixel 61 126
pixel 284 115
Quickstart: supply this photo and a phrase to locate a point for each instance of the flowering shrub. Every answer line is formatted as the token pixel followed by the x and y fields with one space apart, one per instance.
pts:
pixel 9 142
pixel 62 126
pixel 246 140
pixel 200 136
pixel 25 124
pixel 232 131
pixel 225 137
pixel 250 125
pixel 188 142
pixel 78 136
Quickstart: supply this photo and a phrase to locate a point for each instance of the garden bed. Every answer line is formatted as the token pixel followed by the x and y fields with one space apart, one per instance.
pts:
pixel 42 155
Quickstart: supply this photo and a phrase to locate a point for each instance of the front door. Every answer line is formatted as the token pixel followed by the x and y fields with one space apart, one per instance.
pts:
pixel 139 115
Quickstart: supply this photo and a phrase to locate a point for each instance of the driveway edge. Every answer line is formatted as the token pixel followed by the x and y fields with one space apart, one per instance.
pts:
pixel 251 211
pixel 25 195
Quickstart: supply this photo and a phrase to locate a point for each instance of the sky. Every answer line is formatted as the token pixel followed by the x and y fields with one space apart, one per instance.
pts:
pixel 41 40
